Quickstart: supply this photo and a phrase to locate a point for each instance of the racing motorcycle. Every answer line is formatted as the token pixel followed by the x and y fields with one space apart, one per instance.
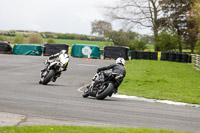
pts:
pixel 53 70
pixel 102 86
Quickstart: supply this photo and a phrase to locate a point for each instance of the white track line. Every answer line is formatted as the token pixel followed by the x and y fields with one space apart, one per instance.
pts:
pixel 147 100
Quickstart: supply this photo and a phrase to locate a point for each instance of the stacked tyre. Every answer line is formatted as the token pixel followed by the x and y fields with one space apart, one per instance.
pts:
pixel 115 52
pixel 51 48
pixel 154 55
pixel 134 55
pixel 5 48
pixel 184 58
pixel 178 57
pixel 164 56
pixel 144 55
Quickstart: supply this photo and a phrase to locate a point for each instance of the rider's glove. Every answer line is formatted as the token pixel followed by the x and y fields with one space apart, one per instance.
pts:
pixel 50 57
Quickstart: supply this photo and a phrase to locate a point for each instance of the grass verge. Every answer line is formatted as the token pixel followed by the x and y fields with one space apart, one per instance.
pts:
pixel 101 44
pixel 77 129
pixel 162 80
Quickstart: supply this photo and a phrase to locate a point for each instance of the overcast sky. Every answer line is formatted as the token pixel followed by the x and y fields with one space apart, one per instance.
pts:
pixel 64 16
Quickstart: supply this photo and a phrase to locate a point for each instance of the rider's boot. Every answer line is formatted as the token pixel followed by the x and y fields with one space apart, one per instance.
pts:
pixel 115 90
pixel 54 79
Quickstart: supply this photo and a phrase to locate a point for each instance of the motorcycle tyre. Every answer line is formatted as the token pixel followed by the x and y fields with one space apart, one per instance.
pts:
pixel 47 79
pixel 106 92
pixel 86 94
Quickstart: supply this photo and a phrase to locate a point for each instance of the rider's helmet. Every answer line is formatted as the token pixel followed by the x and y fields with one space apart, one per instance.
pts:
pixel 63 52
pixel 120 60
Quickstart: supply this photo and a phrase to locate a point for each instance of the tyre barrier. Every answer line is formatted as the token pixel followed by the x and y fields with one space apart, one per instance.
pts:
pixel 176 57
pixel 147 55
pixel 134 55
pixel 154 55
pixel 85 51
pixel 115 52
pixel 22 49
pixel 195 59
pixel 5 48
pixel 199 61
pixel 185 58
pixel 144 55
pixel 108 52
pixel 164 56
pixel 171 56
pixel 141 55
pixel 51 48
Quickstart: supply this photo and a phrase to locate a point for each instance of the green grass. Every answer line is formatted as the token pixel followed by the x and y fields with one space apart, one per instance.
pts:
pixel 150 47
pixel 77 129
pixel 101 44
pixel 162 80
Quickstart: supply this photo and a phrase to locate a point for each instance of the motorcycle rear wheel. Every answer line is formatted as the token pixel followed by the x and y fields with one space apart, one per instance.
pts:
pixel 106 92
pixel 47 79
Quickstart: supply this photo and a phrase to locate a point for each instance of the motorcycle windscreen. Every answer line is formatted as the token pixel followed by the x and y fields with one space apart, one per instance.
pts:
pixel 63 58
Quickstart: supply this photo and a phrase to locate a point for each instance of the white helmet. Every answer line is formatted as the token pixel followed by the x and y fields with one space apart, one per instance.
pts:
pixel 63 52
pixel 120 61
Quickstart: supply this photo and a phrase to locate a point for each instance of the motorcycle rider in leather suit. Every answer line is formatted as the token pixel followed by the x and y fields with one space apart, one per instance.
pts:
pixel 117 67
pixel 52 57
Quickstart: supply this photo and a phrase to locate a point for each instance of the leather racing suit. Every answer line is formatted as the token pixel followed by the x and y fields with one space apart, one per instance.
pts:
pixel 116 68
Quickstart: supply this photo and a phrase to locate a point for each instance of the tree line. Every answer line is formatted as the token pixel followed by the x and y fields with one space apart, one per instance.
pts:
pixel 53 35
pixel 175 23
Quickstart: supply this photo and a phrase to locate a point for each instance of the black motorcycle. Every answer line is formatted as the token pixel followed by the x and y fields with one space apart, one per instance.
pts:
pixel 102 86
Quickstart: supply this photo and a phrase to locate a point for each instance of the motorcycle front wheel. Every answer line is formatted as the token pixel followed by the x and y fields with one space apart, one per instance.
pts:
pixel 86 93
pixel 47 78
pixel 102 94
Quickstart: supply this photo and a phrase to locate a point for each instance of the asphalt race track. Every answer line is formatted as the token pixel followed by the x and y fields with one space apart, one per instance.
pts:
pixel 20 93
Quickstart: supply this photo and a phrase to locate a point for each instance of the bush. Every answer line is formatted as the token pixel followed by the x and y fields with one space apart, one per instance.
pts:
pixel 51 40
pixel 35 39
pixel 137 45
pixel 3 38
pixel 19 39
pixel 167 41
pixel 198 50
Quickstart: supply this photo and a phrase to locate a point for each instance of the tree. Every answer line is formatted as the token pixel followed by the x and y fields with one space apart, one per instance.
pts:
pixel 167 41
pixel 145 13
pixel 175 16
pixel 191 33
pixel 148 39
pixel 19 39
pixel 133 35
pixel 35 39
pixel 120 38
pixel 196 12
pixel 102 28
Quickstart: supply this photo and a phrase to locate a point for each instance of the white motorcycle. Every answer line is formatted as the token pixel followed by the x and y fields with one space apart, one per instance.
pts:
pixel 54 69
